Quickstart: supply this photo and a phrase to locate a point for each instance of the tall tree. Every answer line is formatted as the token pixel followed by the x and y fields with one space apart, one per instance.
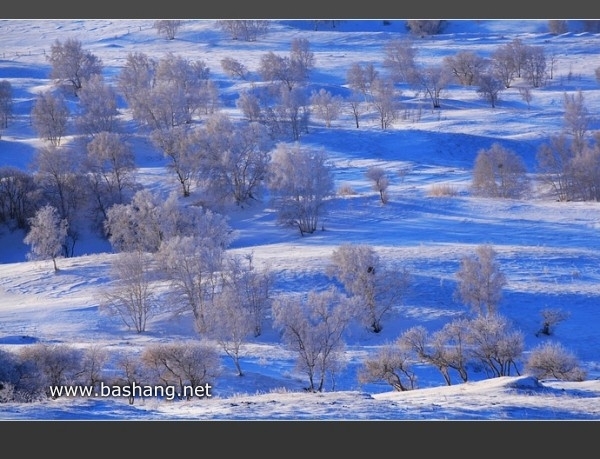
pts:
pixel 71 64
pixel 47 235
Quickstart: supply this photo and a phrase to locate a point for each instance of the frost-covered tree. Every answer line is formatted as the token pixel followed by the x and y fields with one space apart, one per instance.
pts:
pixel 192 266
pixel 110 166
pixel 52 365
pixel 167 27
pixel 576 119
pixel 314 327
pixel 233 159
pixel 480 281
pixel 301 181
pixel 178 145
pixel 71 64
pixel 500 173
pixel 391 363
pixel 376 287
pixel 6 104
pixel 399 59
pixel 495 344
pixel 244 29
pixel 381 182
pixel 50 116
pixel 489 87
pixel 432 80
pixel 466 66
pixel 130 297
pixel 326 105
pixel 384 99
pixel 47 235
pixel 98 111
pixel 550 318
pixel 552 360
pixel 181 365
pixel 234 68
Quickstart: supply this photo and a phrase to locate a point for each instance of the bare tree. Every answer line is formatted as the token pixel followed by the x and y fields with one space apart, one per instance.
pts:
pixel 432 80
pixel 499 173
pixel 391 363
pixel 384 98
pixel 356 106
pixel 234 68
pixel 326 106
pixel 167 27
pixel 480 281
pixel 49 117
pixel 131 297
pixel 535 66
pixel 553 360
pixel 576 119
pixel 466 66
pixel 445 349
pixel 550 318
pixel 47 235
pixel 376 288
pixel 380 182
pixel 301 180
pixel 71 64
pixel 360 78
pixel 93 362
pixel 554 160
pixel 314 328
pixel 489 87
pixel 399 59
pixel 503 64
pixel 17 196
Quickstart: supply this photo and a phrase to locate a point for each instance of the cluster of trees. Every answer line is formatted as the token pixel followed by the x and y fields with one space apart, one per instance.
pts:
pixel 228 298
pixel 35 372
pixel 484 340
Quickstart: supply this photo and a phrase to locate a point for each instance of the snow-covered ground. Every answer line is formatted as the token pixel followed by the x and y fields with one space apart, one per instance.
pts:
pixel 548 250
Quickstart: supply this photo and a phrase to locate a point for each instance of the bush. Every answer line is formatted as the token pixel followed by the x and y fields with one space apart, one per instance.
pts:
pixel 439 190
pixel 552 360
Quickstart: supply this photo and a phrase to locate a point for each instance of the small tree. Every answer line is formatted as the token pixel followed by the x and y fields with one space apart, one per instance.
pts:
pixel 234 68
pixel 167 28
pixel 131 298
pixel 301 181
pixel 499 173
pixel 71 64
pixel 375 287
pixel 494 344
pixel 49 117
pixel 313 328
pixel 391 363
pixel 553 360
pixel 6 104
pixel 380 182
pixel 326 105
pixel 47 235
pixel 489 87
pixel 550 318
pixel 480 281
